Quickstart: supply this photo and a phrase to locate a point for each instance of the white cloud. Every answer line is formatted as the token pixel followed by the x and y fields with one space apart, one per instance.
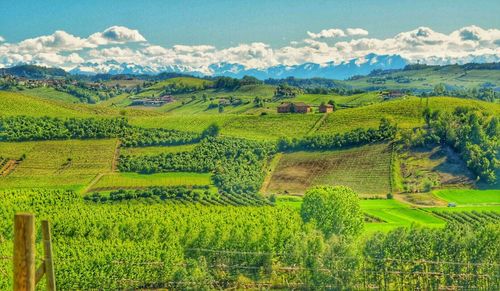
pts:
pixel 58 41
pixel 356 32
pixel 327 33
pixel 119 45
pixel 116 34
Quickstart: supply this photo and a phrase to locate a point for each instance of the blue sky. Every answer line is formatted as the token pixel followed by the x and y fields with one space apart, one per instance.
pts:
pixel 226 23
pixel 191 35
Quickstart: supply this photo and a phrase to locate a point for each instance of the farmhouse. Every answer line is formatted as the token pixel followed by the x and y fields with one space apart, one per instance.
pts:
pixel 326 108
pixel 393 94
pixel 298 107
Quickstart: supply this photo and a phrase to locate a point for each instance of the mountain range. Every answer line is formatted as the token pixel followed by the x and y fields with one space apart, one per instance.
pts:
pixel 330 70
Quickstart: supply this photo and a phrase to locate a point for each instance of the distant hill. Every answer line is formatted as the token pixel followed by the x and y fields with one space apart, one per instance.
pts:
pixel 422 78
pixel 34 72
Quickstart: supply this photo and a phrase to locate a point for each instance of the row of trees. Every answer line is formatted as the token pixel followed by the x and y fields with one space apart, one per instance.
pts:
pixel 162 193
pixel 236 163
pixel 387 131
pixel 24 128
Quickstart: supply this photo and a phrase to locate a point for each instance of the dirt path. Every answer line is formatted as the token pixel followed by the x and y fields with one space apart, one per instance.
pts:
pixel 270 169
pixel 115 157
pixel 8 167
pixel 318 123
pixel 93 182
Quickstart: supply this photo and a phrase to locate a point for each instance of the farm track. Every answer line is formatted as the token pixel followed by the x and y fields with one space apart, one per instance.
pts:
pixel 93 182
pixel 317 124
pixel 272 166
pixel 115 157
pixel 8 167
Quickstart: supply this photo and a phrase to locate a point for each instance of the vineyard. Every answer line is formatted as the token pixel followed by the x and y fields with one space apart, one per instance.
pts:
pixel 473 218
pixel 57 163
pixel 189 196
pixel 364 169
pixel 135 180
pixel 180 244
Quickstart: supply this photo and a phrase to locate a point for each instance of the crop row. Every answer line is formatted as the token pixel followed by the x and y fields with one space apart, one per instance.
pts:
pixel 469 217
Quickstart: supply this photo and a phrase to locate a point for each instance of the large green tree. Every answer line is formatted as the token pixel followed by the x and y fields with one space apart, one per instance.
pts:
pixel 335 210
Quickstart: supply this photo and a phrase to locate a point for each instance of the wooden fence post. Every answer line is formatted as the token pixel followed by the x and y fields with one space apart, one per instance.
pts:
pixel 24 252
pixel 47 249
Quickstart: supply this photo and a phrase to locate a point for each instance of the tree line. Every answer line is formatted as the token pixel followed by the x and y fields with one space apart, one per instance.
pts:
pixel 25 128
pixel 386 131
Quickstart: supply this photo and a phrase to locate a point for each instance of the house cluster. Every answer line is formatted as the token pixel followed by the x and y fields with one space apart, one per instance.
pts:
pixel 153 101
pixel 301 107
pixel 393 94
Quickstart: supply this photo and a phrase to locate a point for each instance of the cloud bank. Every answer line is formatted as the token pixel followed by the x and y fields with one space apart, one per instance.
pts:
pixel 119 44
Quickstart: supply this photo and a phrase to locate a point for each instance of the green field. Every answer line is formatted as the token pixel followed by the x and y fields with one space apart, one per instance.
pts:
pixel 51 94
pixel 365 169
pixel 156 150
pixel 395 214
pixel 57 164
pixel 467 197
pixel 429 77
pixel 135 180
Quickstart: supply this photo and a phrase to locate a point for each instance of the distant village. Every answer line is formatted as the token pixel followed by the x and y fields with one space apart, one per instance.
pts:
pixel 153 101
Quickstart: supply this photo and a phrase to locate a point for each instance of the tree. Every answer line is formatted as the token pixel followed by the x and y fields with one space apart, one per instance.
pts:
pixel 212 130
pixel 335 210
pixel 439 89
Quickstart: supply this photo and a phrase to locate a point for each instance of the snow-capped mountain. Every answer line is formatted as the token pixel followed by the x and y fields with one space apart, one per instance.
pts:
pixel 359 66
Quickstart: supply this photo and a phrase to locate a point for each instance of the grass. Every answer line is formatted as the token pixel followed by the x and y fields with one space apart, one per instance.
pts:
pixel 426 79
pixel 396 214
pixel 57 164
pixel 156 150
pixel 365 169
pixel 135 180
pixel 440 166
pixel 51 94
pixel 407 112
pixel 13 103
pixel 464 197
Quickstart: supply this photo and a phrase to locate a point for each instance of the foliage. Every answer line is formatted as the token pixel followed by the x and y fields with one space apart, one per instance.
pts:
pixel 236 163
pixel 334 210
pixel 23 128
pixel 473 135
pixel 386 131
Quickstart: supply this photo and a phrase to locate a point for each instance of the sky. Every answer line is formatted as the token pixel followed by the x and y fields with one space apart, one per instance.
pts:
pixel 254 33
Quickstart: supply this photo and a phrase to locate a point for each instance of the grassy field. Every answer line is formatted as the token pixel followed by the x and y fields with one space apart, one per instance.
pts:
pixel 465 197
pixel 395 214
pixel 365 169
pixel 440 166
pixel 156 150
pixel 51 94
pixel 391 213
pixel 135 180
pixel 57 164
pixel 407 112
pixel 426 79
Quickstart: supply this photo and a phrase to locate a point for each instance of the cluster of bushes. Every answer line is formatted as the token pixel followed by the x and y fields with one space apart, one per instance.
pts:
pixel 228 83
pixel 386 131
pixel 24 128
pixel 161 193
pixel 236 163
pixel 474 135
